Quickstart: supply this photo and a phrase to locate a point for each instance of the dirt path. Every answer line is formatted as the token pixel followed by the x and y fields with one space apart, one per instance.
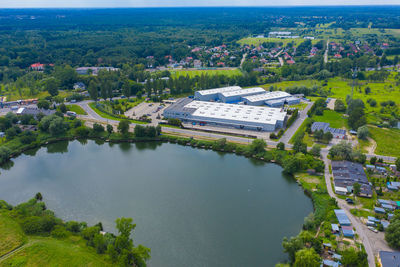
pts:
pixel 372 147
pixel 12 252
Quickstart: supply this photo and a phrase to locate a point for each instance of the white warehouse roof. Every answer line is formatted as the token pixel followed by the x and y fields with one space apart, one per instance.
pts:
pixel 231 112
pixel 218 90
pixel 242 92
pixel 267 96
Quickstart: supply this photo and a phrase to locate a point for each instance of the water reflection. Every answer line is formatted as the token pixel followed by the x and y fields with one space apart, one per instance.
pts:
pixel 59 147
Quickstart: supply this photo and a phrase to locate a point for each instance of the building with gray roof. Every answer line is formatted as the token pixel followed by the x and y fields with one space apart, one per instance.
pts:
pixel 346 173
pixel 324 126
pixel 227 115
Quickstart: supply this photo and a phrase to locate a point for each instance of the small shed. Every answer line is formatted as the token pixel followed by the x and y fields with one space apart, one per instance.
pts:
pixel 385 224
pixel 388 207
pixel 348 231
pixel 330 263
pixel 342 217
pixel 379 210
pixel 373 219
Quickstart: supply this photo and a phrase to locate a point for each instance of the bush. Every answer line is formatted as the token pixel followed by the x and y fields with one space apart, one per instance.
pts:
pixel 59 231
pixel 32 225
pixel 73 226
pixel 82 131
pixel 98 128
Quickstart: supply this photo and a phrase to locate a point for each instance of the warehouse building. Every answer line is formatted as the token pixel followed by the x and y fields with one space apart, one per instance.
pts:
pixel 271 99
pixel 227 115
pixel 213 94
pixel 237 95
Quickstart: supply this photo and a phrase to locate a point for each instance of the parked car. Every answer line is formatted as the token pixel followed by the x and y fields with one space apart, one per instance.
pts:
pixel 349 201
pixel 372 229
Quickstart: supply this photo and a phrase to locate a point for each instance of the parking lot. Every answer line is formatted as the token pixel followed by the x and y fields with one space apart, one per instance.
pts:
pixel 151 110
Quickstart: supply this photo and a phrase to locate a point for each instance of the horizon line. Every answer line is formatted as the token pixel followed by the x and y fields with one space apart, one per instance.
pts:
pixel 236 6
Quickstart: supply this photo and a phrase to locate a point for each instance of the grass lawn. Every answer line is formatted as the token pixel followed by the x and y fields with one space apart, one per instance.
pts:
pixel 339 88
pixel 257 41
pixel 42 251
pixel 361 213
pixel 300 106
pixel 77 109
pixel 11 235
pixel 335 119
pixel 108 116
pixel 363 145
pixel 193 73
pixel 387 141
pixel 26 94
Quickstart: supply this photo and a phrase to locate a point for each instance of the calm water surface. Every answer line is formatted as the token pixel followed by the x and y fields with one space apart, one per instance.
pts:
pixel 192 207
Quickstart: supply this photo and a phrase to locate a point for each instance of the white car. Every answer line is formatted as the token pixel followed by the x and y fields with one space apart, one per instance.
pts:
pixel 372 229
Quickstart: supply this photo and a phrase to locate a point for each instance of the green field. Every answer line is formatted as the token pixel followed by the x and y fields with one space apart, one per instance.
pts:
pixel 77 109
pixel 387 141
pixel 43 251
pixel 26 94
pixel 340 88
pixel 258 41
pixel 11 235
pixel 193 73
pixel 108 116
pixel 335 119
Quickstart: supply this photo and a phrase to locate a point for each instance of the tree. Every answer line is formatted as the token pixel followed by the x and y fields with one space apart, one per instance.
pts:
pixel 355 110
pixel 307 257
pixel 280 146
pixel 353 258
pixel 318 135
pixel 367 90
pixel 98 128
pixel 257 146
pixel 110 129
pixel 38 196
pixel 92 90
pixel 356 189
pixel 123 127
pixel 363 132
pixel 63 108
pixel 397 164
pixel 341 151
pixel 392 234
pixel 126 89
pixel 43 104
pixel 125 226
pixel 339 106
pixel 327 137
pixel 316 150
pixel 51 86
pixel 373 160
pixel 291 246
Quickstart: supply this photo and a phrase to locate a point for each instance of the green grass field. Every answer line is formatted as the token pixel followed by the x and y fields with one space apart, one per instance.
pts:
pixel 258 41
pixel 387 141
pixel 25 94
pixel 77 109
pixel 44 251
pixel 339 88
pixel 193 73
pixel 11 235
pixel 335 119
pixel 108 116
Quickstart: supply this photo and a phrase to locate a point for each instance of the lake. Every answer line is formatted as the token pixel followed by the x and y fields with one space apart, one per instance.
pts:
pixel 192 207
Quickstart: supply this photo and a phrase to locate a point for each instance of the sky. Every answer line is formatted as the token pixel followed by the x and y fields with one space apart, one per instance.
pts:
pixel 182 3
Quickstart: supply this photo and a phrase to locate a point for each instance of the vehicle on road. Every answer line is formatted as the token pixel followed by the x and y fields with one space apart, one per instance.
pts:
pixel 372 229
pixel 71 113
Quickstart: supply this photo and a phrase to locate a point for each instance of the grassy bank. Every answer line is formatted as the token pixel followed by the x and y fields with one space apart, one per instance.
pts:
pixel 77 109
pixel 109 116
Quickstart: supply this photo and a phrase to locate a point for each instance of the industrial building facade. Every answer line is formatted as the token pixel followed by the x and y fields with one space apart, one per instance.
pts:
pixel 255 96
pixel 227 115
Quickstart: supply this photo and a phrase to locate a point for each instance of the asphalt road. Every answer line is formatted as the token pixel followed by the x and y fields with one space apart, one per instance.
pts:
pixel 360 228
